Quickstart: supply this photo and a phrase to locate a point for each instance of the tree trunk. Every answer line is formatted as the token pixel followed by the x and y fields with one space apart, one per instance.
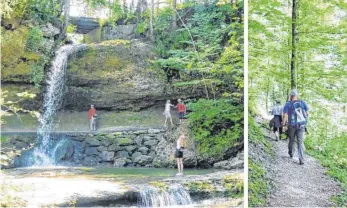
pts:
pixel 294 38
pixel 151 21
pixel 174 16
pixel 66 18
pixel 138 10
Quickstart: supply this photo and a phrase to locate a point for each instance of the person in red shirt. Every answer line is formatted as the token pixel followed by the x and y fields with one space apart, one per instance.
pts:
pixel 91 114
pixel 181 109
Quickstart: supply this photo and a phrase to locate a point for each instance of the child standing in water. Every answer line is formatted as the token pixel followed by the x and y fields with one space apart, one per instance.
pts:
pixel 167 113
pixel 179 152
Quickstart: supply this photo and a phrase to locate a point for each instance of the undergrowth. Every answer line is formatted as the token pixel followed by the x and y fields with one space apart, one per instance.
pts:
pixel 332 154
pixel 258 184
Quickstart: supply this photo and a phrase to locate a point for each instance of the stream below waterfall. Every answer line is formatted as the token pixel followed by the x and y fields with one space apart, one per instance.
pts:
pixel 113 187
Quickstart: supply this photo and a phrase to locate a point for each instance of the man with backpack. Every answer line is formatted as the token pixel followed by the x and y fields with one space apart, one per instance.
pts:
pixel 295 113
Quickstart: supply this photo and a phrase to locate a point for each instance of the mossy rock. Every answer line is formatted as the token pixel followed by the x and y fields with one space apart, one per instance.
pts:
pixel 159 184
pixel 124 141
pixel 200 186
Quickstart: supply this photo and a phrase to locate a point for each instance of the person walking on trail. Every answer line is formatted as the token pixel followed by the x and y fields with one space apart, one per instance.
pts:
pixel 277 113
pixel 181 110
pixel 180 145
pixel 295 114
pixel 167 113
pixel 92 118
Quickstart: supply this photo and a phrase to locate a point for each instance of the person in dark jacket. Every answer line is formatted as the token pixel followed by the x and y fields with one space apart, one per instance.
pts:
pixel 277 113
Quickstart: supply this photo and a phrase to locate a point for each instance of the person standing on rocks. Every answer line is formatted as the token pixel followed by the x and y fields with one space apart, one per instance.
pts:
pixel 277 113
pixel 179 152
pixel 167 113
pixel 181 109
pixel 295 113
pixel 91 117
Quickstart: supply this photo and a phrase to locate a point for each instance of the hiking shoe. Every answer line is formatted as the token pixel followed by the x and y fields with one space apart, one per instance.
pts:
pixel 301 162
pixel 290 155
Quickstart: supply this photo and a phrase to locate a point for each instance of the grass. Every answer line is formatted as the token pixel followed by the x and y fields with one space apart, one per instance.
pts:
pixel 333 156
pixel 258 184
pixel 256 136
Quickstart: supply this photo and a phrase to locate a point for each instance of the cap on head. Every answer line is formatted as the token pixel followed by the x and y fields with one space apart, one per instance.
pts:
pixel 179 100
pixel 92 106
pixel 294 93
pixel 168 101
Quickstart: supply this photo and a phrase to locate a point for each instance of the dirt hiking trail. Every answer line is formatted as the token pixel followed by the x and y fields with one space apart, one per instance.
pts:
pixel 298 185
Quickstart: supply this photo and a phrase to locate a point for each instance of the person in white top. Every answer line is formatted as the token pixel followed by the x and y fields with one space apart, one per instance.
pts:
pixel 179 152
pixel 167 113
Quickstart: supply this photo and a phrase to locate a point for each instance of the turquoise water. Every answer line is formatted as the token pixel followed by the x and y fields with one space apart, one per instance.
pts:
pixel 140 172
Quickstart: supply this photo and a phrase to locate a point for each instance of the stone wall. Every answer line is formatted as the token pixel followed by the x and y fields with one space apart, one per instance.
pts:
pixel 128 147
pixel 134 148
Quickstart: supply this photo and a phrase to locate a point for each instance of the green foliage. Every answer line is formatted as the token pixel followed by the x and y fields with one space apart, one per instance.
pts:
pixel 35 39
pixel 71 28
pixel 258 186
pixel 38 10
pixel 25 52
pixel 209 44
pixel 216 125
pixel 320 70
pixel 141 28
pixel 255 134
pixel 332 154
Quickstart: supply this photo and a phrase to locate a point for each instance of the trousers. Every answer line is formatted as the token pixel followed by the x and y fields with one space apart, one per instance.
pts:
pixel 297 132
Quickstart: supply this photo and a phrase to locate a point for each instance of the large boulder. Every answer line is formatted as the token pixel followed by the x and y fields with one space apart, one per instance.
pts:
pixel 107 156
pixel 91 151
pixel 50 31
pixel 120 162
pixel 92 142
pixel 143 160
pixel 122 154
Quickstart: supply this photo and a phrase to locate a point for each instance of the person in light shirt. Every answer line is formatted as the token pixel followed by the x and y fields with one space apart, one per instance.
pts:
pixel 167 113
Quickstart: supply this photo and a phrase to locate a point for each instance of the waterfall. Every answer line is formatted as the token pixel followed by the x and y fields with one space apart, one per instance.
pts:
pixel 52 100
pixel 175 195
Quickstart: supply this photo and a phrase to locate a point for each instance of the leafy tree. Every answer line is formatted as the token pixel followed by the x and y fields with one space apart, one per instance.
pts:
pixel 300 44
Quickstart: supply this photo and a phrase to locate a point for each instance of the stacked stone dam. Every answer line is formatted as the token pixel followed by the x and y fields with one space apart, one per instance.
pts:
pixel 128 148
pixel 135 148
pixel 123 147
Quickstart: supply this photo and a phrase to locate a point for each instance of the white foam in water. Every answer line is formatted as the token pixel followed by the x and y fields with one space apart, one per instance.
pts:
pixel 52 100
pixel 174 196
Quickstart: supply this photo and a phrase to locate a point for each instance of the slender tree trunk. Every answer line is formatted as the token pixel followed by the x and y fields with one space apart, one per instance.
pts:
pixel 151 21
pixel 294 38
pixel 66 18
pixel 174 16
pixel 138 10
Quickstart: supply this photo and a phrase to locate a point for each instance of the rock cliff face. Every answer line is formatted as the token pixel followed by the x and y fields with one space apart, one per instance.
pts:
pixel 118 75
pixel 21 63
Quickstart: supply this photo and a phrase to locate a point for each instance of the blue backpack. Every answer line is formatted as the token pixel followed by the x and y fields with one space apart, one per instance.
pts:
pixel 299 115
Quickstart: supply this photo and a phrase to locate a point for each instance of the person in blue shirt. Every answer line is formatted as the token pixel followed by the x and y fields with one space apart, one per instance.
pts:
pixel 295 114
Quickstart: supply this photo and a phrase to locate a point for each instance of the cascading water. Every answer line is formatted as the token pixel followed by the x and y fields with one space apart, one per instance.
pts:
pixel 52 100
pixel 175 195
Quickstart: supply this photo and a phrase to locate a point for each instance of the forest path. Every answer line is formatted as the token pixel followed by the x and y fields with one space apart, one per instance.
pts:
pixel 298 185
